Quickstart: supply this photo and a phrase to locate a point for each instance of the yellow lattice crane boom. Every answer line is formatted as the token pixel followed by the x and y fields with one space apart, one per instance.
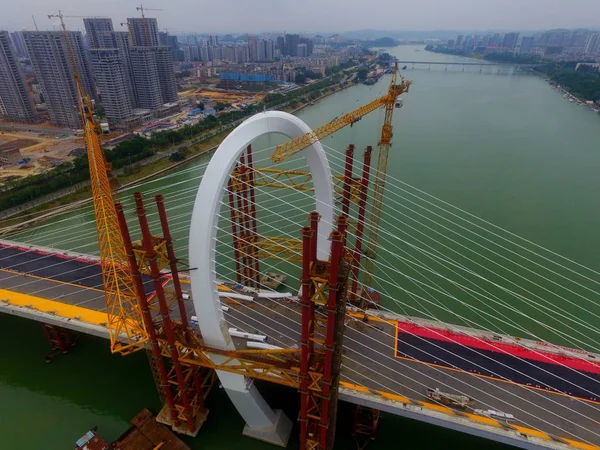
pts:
pixel 389 102
pixel 293 146
pixel 127 332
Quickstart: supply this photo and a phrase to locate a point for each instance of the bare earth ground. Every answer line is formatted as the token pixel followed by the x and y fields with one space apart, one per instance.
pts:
pixel 43 150
pixel 224 97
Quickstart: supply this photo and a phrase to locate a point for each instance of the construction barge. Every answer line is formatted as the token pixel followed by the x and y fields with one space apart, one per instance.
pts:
pixel 145 433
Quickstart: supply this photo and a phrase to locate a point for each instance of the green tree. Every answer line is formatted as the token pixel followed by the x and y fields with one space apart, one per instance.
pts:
pixel 362 73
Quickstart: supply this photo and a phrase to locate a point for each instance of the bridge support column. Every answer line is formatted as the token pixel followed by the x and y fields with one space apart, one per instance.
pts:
pixel 261 421
pixel 60 339
pixel 366 423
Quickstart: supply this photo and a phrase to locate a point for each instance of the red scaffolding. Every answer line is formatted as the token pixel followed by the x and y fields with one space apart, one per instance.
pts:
pixel 242 208
pixel 323 311
pixel 182 387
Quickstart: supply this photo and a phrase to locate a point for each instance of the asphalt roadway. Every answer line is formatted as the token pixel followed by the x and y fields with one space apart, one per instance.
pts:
pixel 369 355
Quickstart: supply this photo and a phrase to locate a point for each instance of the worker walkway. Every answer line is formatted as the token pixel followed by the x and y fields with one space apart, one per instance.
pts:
pixel 47 294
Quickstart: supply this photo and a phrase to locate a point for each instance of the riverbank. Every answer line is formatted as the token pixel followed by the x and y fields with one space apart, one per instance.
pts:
pixel 565 92
pixel 143 171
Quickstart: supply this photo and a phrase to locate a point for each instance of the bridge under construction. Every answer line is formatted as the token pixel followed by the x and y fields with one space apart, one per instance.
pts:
pixel 225 310
pixel 390 359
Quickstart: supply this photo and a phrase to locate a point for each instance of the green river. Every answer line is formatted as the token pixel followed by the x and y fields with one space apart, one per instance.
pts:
pixel 498 143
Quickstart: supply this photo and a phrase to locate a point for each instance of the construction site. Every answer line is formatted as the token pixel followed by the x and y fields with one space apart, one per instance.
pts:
pixel 33 153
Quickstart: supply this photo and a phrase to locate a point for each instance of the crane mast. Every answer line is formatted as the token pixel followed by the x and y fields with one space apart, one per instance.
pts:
pixel 127 332
pixel 385 142
pixel 145 23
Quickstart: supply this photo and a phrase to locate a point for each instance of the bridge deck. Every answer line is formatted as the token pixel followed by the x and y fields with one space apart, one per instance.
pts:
pixel 372 359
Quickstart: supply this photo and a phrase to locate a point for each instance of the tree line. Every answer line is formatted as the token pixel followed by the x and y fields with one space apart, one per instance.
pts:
pixel 124 154
pixel 583 83
pixel 312 91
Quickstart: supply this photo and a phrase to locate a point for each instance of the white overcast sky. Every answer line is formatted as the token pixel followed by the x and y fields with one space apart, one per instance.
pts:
pixel 316 15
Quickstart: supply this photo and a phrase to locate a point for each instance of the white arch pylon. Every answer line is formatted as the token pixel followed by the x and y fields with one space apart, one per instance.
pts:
pixel 202 252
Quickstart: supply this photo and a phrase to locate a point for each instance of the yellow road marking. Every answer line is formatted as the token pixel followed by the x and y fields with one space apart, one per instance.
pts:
pixel 483 419
pixel 54 307
pixel 435 407
pixel 530 431
pixel 395 397
pixel 580 445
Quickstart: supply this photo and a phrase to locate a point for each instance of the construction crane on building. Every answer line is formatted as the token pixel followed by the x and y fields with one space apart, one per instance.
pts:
pixel 127 332
pixel 78 17
pixel 389 102
pixel 128 25
pixel 146 31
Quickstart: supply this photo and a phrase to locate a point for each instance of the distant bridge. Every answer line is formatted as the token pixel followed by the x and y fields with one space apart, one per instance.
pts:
pixel 442 63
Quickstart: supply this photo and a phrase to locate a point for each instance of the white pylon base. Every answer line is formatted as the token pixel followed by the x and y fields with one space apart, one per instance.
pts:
pixel 276 434
pixel 261 421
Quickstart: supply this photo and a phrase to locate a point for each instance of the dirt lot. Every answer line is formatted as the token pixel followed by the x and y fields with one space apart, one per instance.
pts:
pixel 19 143
pixel 225 97
pixel 43 150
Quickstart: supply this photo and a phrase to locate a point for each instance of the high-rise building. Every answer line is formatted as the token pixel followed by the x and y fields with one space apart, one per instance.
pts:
pixel 592 46
pixel 217 53
pixel 95 29
pixel 253 47
pixel 154 78
pixel 187 53
pixel 510 41
pixel 144 32
pixel 15 103
pixel 213 40
pixel 145 75
pixel 166 75
pixel 291 44
pixel 19 44
pixel 176 52
pixel 526 45
pixel 469 43
pixel 269 50
pixel 163 38
pixel 52 66
pixel 459 41
pixel 113 85
pixel 242 54
pixel 204 56
pixel 122 42
pixel 302 51
pixel 309 45
pixel 579 39
pixel 281 44
pixel 261 50
pixel 119 97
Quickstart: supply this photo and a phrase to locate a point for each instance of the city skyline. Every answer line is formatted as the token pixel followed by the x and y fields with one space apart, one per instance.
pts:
pixel 459 15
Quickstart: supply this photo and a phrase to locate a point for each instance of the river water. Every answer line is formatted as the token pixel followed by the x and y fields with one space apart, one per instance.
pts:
pixel 498 143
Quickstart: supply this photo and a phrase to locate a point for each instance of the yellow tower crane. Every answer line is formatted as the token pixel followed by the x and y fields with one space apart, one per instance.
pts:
pixel 127 332
pixel 384 144
pixel 146 31
pixel 389 102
